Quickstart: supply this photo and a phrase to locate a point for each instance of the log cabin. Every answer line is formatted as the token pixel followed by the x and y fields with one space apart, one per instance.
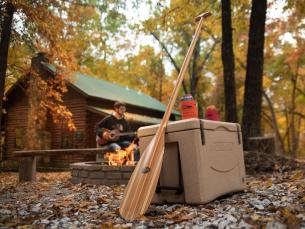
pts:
pixel 89 99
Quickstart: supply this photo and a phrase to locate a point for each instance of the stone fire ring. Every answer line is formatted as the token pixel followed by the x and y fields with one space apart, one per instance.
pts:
pixel 99 173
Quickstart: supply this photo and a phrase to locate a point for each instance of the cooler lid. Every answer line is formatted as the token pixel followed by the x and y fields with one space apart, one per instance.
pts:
pixel 174 126
pixel 219 126
pixel 188 124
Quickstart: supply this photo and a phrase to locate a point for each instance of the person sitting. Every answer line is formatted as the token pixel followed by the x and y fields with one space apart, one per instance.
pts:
pixel 114 131
pixel 211 113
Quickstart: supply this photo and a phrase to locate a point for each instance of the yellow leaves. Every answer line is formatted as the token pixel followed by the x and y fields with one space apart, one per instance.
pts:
pixel 302 71
pixel 267 81
pixel 269 183
pixel 298 176
pixel 290 218
pixel 84 204
pixel 46 96
pixel 294 56
pixel 22 226
pixel 256 217
pixel 180 214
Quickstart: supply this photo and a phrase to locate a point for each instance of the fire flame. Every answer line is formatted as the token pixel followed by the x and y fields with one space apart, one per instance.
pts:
pixel 121 157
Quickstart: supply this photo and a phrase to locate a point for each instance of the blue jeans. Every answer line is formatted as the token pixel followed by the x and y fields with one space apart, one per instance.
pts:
pixel 122 145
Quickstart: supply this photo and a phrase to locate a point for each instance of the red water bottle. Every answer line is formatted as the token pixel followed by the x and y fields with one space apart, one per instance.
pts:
pixel 211 113
pixel 188 107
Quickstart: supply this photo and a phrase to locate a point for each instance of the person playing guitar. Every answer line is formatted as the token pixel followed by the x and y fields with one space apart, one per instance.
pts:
pixel 114 130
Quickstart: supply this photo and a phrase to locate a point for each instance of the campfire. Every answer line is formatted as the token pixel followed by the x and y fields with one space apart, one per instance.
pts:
pixel 121 157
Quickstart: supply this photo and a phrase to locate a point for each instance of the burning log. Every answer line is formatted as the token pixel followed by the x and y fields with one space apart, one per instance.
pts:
pixel 121 157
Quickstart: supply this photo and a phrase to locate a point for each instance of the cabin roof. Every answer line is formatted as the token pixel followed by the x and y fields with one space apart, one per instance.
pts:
pixel 100 88
pixel 128 115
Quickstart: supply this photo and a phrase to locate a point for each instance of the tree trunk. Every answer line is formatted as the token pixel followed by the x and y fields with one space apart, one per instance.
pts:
pixel 251 125
pixel 275 125
pixel 293 132
pixel 227 56
pixel 4 46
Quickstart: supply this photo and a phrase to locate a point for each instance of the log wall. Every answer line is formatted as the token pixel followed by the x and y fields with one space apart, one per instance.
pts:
pixel 17 110
pixel 76 103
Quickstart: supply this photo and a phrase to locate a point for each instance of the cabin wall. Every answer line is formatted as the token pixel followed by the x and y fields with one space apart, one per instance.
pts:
pixel 17 110
pixel 93 118
pixel 63 138
pixel 58 135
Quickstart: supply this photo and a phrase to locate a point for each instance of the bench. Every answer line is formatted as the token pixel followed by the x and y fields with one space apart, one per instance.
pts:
pixel 27 159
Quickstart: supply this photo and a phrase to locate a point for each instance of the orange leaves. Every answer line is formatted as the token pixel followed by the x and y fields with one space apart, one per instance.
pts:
pixel 299 175
pixel 180 214
pixel 290 218
pixel 294 56
pixel 45 96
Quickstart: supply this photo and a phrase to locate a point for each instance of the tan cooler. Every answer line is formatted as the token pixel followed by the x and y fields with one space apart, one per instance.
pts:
pixel 203 160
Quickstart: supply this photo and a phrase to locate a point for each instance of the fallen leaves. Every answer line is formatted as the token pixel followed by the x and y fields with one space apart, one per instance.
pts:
pixel 256 217
pixel 273 200
pixel 299 175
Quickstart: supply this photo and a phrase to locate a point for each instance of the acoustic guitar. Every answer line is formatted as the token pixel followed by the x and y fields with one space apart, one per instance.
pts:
pixel 114 135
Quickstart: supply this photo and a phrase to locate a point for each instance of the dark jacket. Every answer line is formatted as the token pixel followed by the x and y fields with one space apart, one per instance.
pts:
pixel 110 122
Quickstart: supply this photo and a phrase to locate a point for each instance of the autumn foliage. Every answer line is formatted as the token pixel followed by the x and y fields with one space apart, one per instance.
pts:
pixel 100 38
pixel 45 98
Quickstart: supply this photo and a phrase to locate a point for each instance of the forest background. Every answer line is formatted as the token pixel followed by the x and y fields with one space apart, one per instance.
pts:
pixel 141 45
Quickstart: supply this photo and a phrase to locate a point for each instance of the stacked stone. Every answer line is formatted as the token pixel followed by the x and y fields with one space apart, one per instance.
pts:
pixel 98 173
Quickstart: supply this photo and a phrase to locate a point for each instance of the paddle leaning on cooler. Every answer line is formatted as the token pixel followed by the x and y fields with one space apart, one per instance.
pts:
pixel 143 182
pixel 114 131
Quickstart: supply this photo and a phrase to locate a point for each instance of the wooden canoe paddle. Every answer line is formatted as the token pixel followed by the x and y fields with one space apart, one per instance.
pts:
pixel 143 181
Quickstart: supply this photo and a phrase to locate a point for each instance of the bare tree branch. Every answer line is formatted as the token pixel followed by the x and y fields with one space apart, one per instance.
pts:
pixel 300 91
pixel 208 31
pixel 268 119
pixel 299 114
pixel 205 59
pixel 170 57
pixel 274 121
pixel 78 3
pixel 241 63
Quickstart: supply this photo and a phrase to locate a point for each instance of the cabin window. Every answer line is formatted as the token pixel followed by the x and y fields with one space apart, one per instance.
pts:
pixel 19 137
pixel 79 138
pixel 44 139
pixel 73 139
pixel 67 140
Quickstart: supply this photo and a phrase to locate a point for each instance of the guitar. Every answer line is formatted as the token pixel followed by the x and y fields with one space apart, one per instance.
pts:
pixel 113 135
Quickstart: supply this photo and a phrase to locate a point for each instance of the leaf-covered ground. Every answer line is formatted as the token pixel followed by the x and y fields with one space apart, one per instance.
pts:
pixel 271 200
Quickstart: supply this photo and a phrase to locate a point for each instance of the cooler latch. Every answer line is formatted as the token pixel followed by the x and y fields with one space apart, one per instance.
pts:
pixel 238 134
pixel 202 133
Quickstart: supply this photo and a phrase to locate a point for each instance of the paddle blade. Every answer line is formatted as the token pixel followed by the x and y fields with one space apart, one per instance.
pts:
pixel 143 181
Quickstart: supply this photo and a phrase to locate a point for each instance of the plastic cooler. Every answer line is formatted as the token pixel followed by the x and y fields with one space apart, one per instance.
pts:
pixel 202 160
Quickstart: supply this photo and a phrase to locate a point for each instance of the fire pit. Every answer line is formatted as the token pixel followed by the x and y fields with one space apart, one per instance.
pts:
pixel 110 168
pixel 100 173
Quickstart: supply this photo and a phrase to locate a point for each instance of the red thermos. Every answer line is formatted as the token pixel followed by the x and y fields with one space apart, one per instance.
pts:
pixel 188 107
